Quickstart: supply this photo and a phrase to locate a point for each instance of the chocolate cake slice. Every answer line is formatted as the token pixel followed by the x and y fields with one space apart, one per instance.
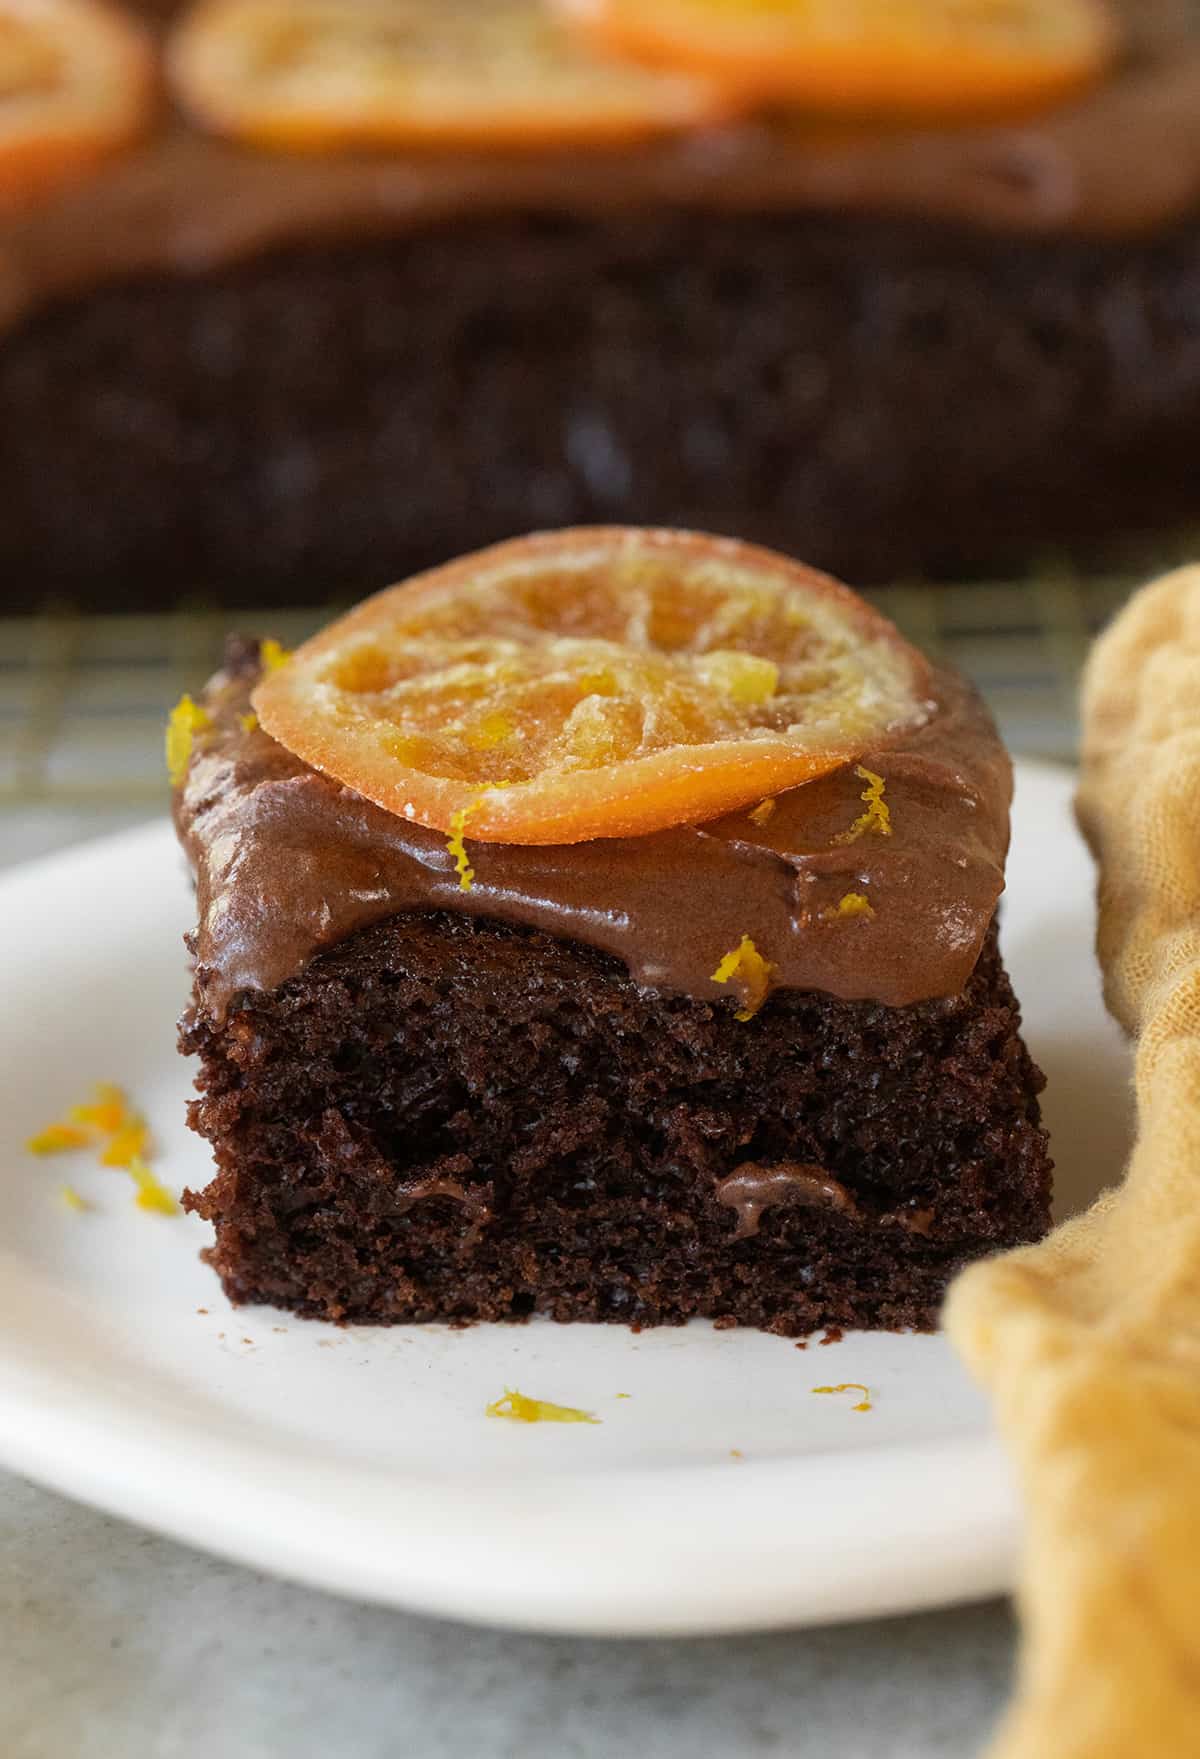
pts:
pixel 532 1097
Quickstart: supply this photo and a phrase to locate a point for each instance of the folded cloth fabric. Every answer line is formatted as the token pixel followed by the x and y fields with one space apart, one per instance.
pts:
pixel 1090 1342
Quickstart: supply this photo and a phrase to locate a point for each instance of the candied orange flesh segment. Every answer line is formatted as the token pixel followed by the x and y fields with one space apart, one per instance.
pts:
pixel 935 58
pixel 594 683
pixel 77 83
pixel 497 74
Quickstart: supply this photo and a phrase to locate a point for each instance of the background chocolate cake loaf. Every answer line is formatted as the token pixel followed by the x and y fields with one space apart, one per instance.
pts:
pixel 257 376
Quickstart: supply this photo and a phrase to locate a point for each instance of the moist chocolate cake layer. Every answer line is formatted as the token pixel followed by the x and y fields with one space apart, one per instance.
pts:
pixel 445 1118
pixel 878 395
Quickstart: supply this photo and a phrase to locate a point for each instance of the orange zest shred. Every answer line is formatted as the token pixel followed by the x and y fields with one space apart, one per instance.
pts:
pixel 854 904
pixel 248 722
pixel 186 719
pixel 58 1139
pixel 878 814
pixel 750 974
pixel 125 1138
pixel 762 812
pixel 272 654
pixel 456 847
pixel 518 1408
pixel 107 1112
pixel 150 1193
pixel 127 1144
pixel 850 1386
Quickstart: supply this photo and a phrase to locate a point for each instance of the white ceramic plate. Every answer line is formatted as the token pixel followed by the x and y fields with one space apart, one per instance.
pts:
pixel 719 1494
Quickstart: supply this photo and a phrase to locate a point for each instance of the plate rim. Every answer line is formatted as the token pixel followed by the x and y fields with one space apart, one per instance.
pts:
pixel 951 1497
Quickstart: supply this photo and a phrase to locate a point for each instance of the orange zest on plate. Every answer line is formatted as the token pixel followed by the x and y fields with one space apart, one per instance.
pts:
pixel 494 74
pixel 932 58
pixel 520 1408
pixel 77 83
pixel 101 1116
pixel 850 1386
pixel 643 679
pixel 58 1139
pixel 123 1137
pixel 129 1142
pixel 105 1113
pixel 151 1193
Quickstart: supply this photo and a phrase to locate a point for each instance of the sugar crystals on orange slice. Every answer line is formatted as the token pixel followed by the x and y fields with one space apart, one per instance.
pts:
pixel 926 57
pixel 594 683
pixel 77 81
pixel 488 73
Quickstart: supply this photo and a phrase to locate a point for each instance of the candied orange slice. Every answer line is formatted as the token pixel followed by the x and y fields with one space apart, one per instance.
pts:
pixel 76 83
pixel 594 683
pixel 935 57
pixel 488 73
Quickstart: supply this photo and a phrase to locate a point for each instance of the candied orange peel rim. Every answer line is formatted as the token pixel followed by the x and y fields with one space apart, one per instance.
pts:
pixel 221 70
pixel 330 724
pixel 890 69
pixel 94 71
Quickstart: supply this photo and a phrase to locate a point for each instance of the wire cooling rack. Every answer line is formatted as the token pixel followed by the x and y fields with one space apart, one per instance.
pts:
pixel 83 698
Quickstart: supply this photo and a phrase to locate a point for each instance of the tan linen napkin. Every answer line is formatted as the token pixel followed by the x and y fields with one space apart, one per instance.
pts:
pixel 1090 1342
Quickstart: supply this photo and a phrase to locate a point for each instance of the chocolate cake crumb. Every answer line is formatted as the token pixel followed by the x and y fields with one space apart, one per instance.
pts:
pixel 446 1118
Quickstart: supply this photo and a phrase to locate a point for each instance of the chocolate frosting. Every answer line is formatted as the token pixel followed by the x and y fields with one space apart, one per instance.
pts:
pixel 288 862
pixel 756 1186
pixel 752 1187
pixel 1123 159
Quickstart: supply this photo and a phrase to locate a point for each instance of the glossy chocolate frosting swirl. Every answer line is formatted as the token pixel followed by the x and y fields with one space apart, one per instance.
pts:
pixel 289 862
